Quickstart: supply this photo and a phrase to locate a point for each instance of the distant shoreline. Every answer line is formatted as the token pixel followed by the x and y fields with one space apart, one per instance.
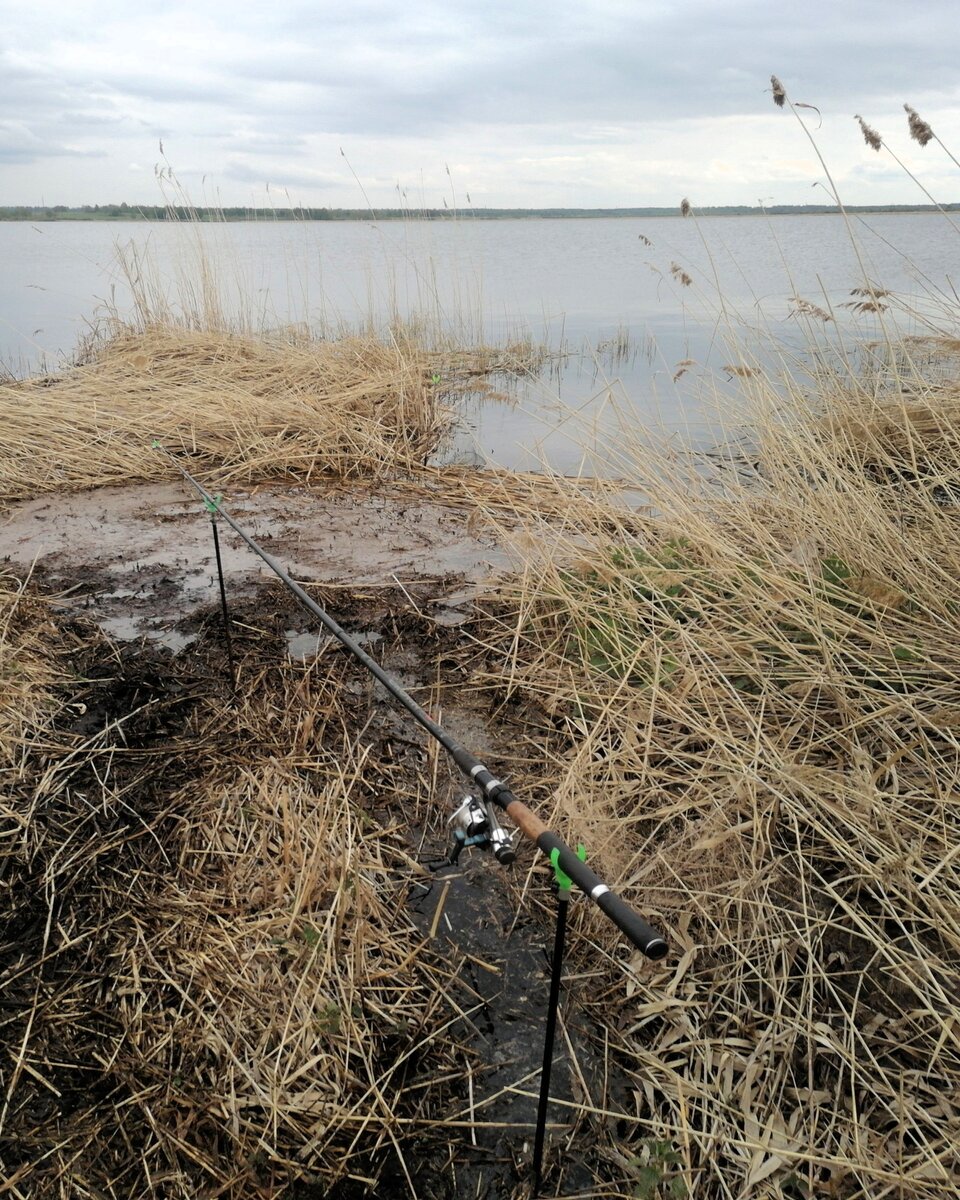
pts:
pixel 137 212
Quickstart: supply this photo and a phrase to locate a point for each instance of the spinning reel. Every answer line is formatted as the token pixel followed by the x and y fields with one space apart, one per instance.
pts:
pixel 475 823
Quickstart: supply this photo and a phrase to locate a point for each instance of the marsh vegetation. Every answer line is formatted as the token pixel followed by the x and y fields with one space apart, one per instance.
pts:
pixel 744 697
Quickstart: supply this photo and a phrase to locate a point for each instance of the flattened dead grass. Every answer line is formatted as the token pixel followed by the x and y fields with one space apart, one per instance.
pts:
pixel 253 407
pixel 27 672
pixel 210 984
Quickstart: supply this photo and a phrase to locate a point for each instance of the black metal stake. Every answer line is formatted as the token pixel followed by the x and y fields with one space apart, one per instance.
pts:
pixel 223 601
pixel 553 1005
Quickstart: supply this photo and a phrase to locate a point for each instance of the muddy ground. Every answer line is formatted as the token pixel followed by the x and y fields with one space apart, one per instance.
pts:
pixel 402 575
pixel 140 560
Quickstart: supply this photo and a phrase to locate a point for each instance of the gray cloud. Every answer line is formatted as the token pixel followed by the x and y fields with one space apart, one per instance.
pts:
pixel 19 144
pixel 265 143
pixel 494 64
pixel 94 120
pixel 485 80
pixel 277 175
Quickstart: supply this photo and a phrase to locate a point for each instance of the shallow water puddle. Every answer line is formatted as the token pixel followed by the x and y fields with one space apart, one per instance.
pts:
pixel 303 646
pixel 131 629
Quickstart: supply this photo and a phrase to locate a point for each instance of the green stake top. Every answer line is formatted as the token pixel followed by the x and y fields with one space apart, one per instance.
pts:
pixel 211 504
pixel 564 882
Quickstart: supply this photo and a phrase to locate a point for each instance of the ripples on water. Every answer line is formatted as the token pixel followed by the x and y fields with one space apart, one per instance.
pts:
pixel 633 348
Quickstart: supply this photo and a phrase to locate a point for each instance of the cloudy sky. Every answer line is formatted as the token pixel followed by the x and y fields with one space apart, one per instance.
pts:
pixel 531 103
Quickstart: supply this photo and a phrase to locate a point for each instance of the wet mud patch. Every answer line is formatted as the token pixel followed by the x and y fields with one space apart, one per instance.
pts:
pixel 111 832
pixel 140 559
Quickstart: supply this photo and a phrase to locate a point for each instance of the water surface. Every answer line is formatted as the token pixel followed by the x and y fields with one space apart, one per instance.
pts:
pixel 611 294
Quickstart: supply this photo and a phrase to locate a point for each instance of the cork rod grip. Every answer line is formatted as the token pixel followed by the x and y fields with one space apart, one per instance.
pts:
pixel 646 939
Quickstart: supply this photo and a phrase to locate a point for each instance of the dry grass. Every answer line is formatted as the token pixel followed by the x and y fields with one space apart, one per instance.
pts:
pixel 210 984
pixel 304 1003
pixel 759 699
pixel 27 673
pixel 252 407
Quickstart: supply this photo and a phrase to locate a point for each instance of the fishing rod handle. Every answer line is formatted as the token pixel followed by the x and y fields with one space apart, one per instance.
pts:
pixel 646 939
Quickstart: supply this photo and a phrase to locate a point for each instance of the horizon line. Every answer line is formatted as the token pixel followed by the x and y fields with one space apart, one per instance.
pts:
pixel 160 212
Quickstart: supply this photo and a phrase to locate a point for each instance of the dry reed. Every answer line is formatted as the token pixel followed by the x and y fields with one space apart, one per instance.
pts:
pixel 870 135
pixel 759 703
pixel 251 406
pixel 920 131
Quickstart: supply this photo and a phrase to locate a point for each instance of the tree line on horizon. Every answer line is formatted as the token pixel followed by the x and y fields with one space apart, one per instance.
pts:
pixel 160 212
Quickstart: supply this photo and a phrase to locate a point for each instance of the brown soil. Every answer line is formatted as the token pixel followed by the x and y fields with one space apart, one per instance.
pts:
pixel 402 574
pixel 140 560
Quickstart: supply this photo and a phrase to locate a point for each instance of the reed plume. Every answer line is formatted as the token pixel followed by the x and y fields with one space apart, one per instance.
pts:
pixel 870 136
pixel 920 131
pixel 685 209
pixel 779 92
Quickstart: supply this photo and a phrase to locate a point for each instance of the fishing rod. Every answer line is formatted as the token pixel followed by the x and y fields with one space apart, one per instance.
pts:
pixel 476 821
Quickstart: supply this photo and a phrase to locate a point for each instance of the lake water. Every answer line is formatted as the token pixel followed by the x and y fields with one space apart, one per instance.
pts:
pixel 607 292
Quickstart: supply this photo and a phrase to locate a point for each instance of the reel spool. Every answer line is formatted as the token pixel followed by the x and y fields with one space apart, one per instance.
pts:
pixel 475 823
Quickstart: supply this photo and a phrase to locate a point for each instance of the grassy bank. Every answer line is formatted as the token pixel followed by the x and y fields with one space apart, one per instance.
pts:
pixel 757 707
pixel 747 706
pixel 255 407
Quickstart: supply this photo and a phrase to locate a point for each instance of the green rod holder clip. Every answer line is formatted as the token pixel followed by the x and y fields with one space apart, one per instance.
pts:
pixel 564 882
